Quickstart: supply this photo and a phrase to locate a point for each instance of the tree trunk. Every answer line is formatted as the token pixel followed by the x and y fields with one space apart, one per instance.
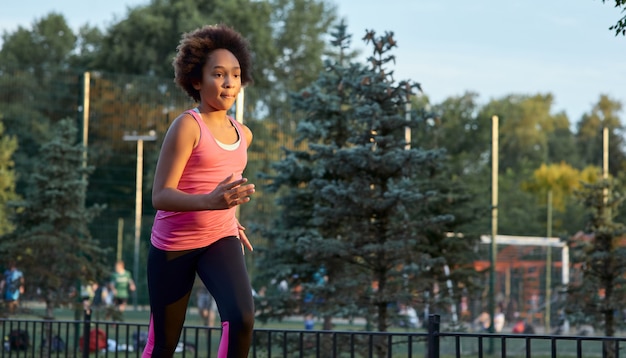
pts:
pixel 328 323
pixel 49 313
pixel 380 341
pixel 608 348
pixel 609 327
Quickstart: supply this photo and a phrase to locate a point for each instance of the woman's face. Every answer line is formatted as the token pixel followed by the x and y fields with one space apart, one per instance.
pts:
pixel 221 80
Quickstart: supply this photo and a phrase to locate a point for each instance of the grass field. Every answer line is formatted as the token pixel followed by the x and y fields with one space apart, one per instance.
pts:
pixel 35 310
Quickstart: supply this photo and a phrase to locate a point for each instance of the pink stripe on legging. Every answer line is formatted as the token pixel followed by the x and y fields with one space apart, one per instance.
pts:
pixel 222 352
pixel 147 350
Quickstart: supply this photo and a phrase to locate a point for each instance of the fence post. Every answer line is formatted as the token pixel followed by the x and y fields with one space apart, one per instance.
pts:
pixel 86 337
pixel 433 336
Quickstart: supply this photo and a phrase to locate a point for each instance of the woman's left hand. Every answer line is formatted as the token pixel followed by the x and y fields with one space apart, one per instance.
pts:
pixel 244 239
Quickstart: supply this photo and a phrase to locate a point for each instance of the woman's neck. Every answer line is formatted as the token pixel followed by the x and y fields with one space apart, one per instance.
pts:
pixel 211 114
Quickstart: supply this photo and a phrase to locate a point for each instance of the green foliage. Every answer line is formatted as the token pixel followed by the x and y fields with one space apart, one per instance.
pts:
pixel 455 124
pixel 88 45
pixel 52 244
pixel 559 179
pixel 8 145
pixel 589 137
pixel 620 26
pixel 526 123
pixel 32 94
pixel 600 256
pixel 29 105
pixel 363 222
pixel 48 45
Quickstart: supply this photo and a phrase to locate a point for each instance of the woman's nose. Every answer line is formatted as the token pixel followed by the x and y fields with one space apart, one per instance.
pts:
pixel 229 81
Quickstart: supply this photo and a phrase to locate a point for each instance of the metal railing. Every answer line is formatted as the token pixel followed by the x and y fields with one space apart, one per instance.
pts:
pixel 460 344
pixel 43 338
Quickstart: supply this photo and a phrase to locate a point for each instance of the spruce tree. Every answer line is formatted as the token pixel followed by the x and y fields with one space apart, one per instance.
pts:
pixel 52 244
pixel 363 222
pixel 597 291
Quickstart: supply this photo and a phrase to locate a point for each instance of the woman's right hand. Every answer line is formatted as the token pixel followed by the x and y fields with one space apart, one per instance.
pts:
pixel 229 193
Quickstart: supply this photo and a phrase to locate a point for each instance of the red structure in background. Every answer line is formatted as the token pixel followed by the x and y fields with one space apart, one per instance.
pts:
pixel 520 274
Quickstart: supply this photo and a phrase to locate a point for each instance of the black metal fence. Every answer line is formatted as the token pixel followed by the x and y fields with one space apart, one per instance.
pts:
pixel 87 338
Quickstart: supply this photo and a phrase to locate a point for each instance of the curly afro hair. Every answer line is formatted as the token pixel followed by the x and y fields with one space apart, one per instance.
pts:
pixel 196 46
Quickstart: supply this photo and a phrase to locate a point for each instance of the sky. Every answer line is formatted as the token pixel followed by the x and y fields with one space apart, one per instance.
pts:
pixel 494 48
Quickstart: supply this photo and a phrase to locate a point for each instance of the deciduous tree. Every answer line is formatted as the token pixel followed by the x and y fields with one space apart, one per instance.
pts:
pixel 33 94
pixel 590 139
pixel 620 25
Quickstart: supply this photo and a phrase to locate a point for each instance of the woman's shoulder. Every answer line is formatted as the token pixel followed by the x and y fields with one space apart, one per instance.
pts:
pixel 185 122
pixel 189 115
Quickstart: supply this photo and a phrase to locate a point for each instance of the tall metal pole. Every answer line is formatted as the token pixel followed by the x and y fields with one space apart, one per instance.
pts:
pixel 605 152
pixel 494 221
pixel 86 82
pixel 138 212
pixel 120 238
pixel 565 280
pixel 86 94
pixel 549 266
pixel 239 106
pixel 605 160
pixel 138 201
pixel 407 129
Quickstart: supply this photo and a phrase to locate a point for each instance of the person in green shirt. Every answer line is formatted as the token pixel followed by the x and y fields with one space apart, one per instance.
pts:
pixel 121 286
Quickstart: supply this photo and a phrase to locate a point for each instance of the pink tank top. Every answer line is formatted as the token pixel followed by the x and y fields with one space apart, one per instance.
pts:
pixel 208 165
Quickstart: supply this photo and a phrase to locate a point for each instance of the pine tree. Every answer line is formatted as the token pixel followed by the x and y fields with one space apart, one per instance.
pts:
pixel 52 244
pixel 363 223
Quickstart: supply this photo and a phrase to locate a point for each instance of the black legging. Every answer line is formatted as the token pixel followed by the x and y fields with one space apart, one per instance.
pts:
pixel 222 269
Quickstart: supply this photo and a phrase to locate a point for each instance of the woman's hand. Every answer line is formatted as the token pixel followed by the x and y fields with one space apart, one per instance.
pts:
pixel 244 239
pixel 231 193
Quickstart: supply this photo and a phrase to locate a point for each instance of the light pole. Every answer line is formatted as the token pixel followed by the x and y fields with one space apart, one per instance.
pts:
pixel 494 222
pixel 151 136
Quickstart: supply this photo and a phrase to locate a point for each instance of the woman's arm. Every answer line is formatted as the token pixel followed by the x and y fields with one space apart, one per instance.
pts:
pixel 182 136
